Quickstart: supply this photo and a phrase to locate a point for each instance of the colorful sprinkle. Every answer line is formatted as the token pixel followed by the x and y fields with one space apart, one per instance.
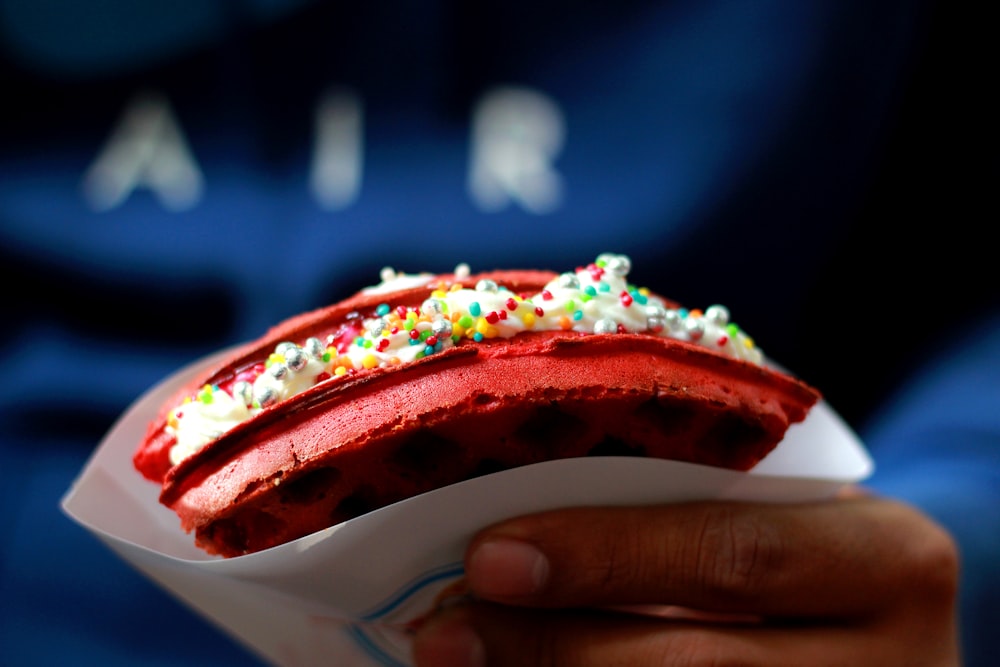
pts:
pixel 398 334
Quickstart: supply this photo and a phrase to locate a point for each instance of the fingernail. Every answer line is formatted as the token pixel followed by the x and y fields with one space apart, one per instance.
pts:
pixel 451 643
pixel 506 569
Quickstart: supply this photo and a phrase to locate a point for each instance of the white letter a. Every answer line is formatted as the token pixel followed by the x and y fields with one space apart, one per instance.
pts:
pixel 147 149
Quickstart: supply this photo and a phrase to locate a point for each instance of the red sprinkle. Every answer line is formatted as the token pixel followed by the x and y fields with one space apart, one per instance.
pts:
pixel 432 340
pixel 722 340
pixel 626 299
pixel 503 314
pixel 414 334
pixel 401 311
pixel 493 317
pixel 547 295
pixel 511 304
pixel 621 328
pixel 323 376
pixel 394 330
pixel 382 344
pixel 539 312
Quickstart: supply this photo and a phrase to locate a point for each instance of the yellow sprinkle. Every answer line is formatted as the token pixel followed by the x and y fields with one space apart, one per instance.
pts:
pixel 275 358
pixel 529 320
pixel 370 361
pixel 748 342
pixel 340 370
pixel 457 329
pixel 438 294
pixel 644 291
pixel 482 325
pixel 187 399
pixel 456 286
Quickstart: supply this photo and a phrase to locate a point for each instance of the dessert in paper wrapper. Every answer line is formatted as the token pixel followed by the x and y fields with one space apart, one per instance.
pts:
pixel 354 589
pixel 425 381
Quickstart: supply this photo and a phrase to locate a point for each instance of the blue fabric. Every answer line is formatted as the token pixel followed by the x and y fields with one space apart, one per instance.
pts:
pixel 776 156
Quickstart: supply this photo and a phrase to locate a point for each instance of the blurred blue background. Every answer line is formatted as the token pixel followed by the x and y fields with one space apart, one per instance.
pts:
pixel 175 177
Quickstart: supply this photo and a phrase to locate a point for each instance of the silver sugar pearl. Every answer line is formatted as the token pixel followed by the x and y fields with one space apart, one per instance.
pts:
pixel 278 371
pixel 695 328
pixel 656 310
pixel 487 286
pixel 655 324
pixel 314 346
pixel 267 398
pixel 432 307
pixel 296 359
pixel 618 265
pixel 243 391
pixel 605 325
pixel 441 327
pixel 283 347
pixel 377 327
pixel 569 280
pixel 717 314
pixel 672 320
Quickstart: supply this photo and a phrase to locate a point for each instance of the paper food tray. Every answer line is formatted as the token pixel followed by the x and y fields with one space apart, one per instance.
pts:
pixel 349 591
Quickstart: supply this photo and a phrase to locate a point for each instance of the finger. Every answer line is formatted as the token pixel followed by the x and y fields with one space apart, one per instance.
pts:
pixel 837 558
pixel 484 634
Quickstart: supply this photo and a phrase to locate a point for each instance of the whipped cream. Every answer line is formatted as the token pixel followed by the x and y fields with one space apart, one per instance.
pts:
pixel 595 299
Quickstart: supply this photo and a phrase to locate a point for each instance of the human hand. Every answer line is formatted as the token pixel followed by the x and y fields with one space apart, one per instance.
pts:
pixel 855 581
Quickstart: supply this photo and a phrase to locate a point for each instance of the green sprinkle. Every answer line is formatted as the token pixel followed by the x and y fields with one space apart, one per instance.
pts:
pixel 466 321
pixel 570 306
pixel 732 330
pixel 409 324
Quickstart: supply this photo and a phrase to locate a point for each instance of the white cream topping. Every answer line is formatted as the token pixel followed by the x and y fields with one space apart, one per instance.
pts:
pixel 593 299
